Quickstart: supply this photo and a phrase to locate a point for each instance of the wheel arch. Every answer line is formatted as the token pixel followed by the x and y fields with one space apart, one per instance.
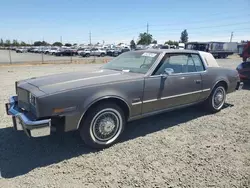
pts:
pixel 114 99
pixel 223 82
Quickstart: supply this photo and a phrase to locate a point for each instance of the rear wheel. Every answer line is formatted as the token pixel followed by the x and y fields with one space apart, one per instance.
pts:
pixel 102 125
pixel 217 99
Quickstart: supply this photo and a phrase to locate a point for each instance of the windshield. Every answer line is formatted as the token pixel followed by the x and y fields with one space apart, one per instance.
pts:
pixel 137 61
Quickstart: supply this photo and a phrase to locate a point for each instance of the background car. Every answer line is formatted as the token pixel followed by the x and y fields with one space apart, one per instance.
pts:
pixel 21 50
pixel 244 71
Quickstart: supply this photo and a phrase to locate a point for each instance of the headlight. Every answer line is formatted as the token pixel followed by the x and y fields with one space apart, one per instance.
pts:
pixel 239 67
pixel 32 99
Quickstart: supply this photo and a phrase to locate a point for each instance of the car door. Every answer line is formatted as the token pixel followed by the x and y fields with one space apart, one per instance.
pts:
pixel 182 87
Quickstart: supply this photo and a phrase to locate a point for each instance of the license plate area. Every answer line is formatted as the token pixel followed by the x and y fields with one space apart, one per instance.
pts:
pixel 17 123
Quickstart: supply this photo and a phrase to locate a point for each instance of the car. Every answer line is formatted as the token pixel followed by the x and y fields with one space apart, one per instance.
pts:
pixel 131 86
pixel 98 52
pixel 66 52
pixel 244 70
pixel 84 53
pixel 21 50
pixel 53 50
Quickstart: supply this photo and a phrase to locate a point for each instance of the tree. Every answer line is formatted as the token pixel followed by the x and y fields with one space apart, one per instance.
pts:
pixel 57 44
pixel 145 39
pixel 15 43
pixel 23 43
pixel 68 44
pixel 184 36
pixel 37 43
pixel 154 42
pixel 132 44
pixel 170 42
pixel 1 42
pixel 40 43
pixel 75 44
pixel 7 43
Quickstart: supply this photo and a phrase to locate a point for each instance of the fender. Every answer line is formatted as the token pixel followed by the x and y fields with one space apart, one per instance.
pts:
pixel 99 99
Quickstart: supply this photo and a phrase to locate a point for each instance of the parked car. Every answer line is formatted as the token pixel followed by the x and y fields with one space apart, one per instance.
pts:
pixel 244 70
pixel 85 53
pixel 133 85
pixel 97 52
pixel 21 50
pixel 66 52
pixel 53 50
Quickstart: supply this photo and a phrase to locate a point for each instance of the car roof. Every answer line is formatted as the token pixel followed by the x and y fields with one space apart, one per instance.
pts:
pixel 169 51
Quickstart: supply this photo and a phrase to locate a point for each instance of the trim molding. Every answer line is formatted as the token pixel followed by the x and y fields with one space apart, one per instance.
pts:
pixel 173 96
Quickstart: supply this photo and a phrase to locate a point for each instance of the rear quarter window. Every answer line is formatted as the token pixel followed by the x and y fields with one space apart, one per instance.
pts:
pixel 197 62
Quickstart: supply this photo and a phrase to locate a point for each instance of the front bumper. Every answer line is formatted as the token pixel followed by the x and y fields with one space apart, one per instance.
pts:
pixel 21 120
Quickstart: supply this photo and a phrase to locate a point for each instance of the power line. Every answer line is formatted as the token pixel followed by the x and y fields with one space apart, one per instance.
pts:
pixel 214 26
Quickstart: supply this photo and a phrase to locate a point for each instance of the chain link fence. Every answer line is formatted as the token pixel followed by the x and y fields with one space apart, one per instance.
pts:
pixel 23 56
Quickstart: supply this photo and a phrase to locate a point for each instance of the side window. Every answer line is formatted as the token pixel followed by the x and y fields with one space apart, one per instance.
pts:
pixel 197 61
pixel 180 63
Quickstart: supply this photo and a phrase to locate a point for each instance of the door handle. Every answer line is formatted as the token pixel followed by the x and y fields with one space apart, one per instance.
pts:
pixel 197 81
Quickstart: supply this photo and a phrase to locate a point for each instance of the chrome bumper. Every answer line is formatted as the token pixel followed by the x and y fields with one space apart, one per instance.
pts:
pixel 33 128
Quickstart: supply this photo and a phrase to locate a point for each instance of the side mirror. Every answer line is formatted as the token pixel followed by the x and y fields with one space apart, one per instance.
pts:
pixel 168 71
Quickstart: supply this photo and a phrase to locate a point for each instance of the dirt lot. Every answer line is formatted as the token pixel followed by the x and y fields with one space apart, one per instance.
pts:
pixel 185 148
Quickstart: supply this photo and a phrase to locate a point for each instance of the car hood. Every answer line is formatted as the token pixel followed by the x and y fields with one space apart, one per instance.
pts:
pixel 73 80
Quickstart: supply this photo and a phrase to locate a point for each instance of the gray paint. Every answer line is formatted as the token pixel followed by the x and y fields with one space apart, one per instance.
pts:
pixel 143 94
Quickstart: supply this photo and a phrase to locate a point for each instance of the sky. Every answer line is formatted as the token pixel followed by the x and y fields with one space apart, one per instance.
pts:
pixel 114 21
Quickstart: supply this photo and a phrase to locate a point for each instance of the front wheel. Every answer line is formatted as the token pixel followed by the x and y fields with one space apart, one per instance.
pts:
pixel 217 99
pixel 102 125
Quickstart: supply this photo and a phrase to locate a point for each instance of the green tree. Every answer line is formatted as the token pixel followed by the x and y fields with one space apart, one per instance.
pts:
pixel 40 43
pixel 184 36
pixel 7 43
pixel 154 42
pixel 37 43
pixel 170 42
pixel 68 44
pixel 145 39
pixel 1 42
pixel 57 44
pixel 15 43
pixel 75 44
pixel 132 44
pixel 23 43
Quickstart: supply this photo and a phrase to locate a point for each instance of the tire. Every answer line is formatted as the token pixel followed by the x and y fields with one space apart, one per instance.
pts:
pixel 87 55
pixel 102 55
pixel 217 99
pixel 90 129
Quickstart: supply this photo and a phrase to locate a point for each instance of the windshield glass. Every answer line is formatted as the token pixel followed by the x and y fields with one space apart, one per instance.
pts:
pixel 138 62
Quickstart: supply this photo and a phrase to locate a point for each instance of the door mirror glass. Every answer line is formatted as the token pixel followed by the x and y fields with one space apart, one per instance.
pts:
pixel 168 71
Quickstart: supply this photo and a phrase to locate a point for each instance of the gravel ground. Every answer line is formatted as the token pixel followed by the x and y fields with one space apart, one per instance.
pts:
pixel 185 148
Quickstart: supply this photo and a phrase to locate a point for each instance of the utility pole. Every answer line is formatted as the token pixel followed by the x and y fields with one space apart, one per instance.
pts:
pixel 231 37
pixel 61 39
pixel 147 28
pixel 90 38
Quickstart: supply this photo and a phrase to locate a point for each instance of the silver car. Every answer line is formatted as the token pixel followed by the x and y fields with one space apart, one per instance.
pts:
pixel 133 85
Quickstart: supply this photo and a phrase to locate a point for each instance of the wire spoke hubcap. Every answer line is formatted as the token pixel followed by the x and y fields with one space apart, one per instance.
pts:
pixel 218 98
pixel 105 126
